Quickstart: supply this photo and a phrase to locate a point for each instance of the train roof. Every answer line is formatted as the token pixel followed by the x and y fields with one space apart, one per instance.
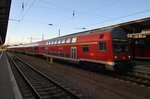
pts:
pixel 25 45
pixel 135 26
pixel 99 30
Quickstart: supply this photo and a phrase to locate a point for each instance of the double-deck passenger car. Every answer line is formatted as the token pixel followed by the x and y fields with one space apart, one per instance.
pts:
pixel 107 47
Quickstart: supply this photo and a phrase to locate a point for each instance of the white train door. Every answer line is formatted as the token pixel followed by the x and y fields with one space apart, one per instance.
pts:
pixel 73 52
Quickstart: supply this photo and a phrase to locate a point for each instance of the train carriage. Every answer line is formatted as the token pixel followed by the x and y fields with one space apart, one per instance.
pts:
pixel 31 48
pixel 107 47
pixel 103 46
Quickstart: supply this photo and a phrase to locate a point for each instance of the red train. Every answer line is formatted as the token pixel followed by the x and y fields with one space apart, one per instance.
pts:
pixel 140 45
pixel 107 47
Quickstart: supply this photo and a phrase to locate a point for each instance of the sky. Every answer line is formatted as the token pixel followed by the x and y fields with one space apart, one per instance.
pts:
pixel 36 18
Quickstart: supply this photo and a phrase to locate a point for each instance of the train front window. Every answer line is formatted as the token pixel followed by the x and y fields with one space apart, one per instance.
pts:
pixel 120 47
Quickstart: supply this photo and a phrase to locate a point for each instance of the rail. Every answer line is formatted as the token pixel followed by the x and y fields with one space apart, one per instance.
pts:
pixel 42 85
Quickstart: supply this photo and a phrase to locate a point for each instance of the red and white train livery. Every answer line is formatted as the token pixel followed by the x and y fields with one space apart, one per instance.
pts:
pixel 107 47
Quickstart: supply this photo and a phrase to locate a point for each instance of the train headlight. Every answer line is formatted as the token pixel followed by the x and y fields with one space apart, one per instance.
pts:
pixel 115 57
pixel 129 56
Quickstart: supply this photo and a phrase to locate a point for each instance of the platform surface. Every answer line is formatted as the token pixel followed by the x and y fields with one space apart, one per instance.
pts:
pixel 6 86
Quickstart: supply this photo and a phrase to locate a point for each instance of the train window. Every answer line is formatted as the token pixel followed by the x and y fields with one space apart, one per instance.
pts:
pixel 68 40
pixel 58 53
pixel 55 42
pixel 67 54
pixel 85 48
pixel 102 46
pixel 35 48
pixel 62 54
pixel 54 52
pixel 51 52
pixel 63 41
pixel 120 47
pixel 46 43
pixel 59 41
pixel 49 43
pixel 46 48
pixel 74 40
pixel 52 42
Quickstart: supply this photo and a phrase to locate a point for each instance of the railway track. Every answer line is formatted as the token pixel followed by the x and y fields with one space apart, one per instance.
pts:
pixel 133 79
pixel 140 77
pixel 137 76
pixel 37 85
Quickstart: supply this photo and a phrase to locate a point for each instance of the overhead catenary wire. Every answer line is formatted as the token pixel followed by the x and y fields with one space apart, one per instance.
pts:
pixel 91 11
pixel 73 14
pixel 117 18
pixel 28 9
pixel 112 19
pixel 23 5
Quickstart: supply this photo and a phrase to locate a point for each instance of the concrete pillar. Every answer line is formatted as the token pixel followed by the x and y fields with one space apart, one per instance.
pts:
pixel 47 58
pixel 51 60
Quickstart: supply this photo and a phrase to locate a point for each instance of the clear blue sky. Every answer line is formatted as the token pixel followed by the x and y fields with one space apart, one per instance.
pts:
pixel 70 16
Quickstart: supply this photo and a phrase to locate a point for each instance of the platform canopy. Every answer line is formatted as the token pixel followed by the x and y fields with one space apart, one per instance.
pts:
pixel 4 17
pixel 136 26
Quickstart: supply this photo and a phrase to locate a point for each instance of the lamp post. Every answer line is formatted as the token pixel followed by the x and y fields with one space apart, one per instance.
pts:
pixel 59 33
pixel 58 30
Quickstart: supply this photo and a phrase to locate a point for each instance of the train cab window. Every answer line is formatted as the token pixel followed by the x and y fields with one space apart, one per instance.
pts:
pixel 120 47
pixel 74 40
pixel 102 46
pixel 68 40
pixel 63 41
pixel 85 48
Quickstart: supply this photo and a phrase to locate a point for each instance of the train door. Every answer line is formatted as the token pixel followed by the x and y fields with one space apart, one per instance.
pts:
pixel 73 52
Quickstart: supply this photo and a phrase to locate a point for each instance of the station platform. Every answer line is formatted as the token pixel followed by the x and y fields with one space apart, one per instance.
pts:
pixel 142 63
pixel 8 85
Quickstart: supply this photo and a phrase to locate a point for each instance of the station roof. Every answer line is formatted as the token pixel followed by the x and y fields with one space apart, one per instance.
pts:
pixel 4 16
pixel 136 26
